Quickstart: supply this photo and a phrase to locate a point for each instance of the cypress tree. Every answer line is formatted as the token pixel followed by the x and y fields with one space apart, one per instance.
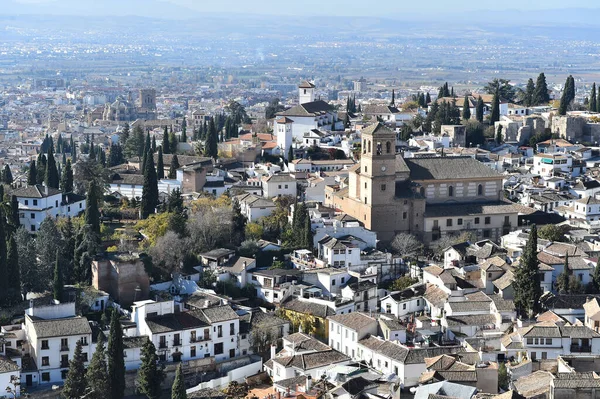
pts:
pixel 567 97
pixel 166 143
pixel 527 277
pixel 592 103
pixel 160 166
pixel 57 283
pixel 153 145
pixel 124 134
pixel 96 374
pixel 495 115
pixel 7 176
pixel 147 148
pixel 479 110
pixel 308 240
pixel 32 174
pixel 150 374
pixel 393 102
pixel 238 224
pixel 150 189
pixel 173 142
pixel 499 135
pixel 75 383
pixel 178 389
pixel 116 362
pixel 466 114
pixel 427 99
pixel 291 153
pixel 529 93
pixel 4 282
pixel 562 281
pixel 73 152
pixel 174 166
pixel 540 95
pixel 92 214
pixel 14 212
pixel 67 178
pixel 14 272
pixel 211 141
pixel 41 169
pixel 184 130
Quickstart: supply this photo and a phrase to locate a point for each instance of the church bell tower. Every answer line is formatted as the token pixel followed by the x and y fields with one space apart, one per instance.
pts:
pixel 378 165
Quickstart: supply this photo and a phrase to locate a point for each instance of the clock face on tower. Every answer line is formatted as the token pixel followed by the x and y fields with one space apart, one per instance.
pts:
pixel 383 168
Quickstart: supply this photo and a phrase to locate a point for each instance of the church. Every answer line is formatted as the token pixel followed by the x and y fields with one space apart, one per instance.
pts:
pixel 428 197
pixel 125 110
pixel 293 124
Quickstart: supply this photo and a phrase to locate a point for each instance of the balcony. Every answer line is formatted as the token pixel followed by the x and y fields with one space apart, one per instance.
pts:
pixel 64 364
pixel 177 342
pixel 163 345
pixel 64 348
pixel 581 348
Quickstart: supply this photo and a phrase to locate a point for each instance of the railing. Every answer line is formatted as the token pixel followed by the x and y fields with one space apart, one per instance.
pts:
pixel 177 342
pixel 581 348
pixel 64 348
pixel 162 345
pixel 64 364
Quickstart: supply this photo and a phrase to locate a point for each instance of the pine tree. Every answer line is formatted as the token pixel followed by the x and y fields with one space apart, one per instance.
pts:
pixel 466 113
pixel 57 283
pixel 540 95
pixel 67 178
pixel 160 166
pixel 238 224
pixel 116 362
pixel 211 141
pixel 479 110
pixel 75 383
pixel 527 280
pixel 7 176
pixel 495 114
pixel 592 102
pixel 32 174
pixel 178 390
pixel 529 93
pixel 149 189
pixel 174 166
pixel 41 168
pixel 150 374
pixel 96 374
pixel 92 213
pixel 13 272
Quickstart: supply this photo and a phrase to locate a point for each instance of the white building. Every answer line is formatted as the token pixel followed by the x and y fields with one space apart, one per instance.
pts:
pixel 37 202
pixel 404 303
pixel 254 207
pixel 345 330
pixel 279 185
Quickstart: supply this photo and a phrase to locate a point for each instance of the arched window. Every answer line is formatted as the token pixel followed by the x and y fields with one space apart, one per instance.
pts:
pixel 369 147
pixel 480 189
pixel 364 146
pixel 451 191
pixel 379 149
pixel 388 147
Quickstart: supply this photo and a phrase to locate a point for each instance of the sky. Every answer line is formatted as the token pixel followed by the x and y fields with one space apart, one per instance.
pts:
pixel 393 9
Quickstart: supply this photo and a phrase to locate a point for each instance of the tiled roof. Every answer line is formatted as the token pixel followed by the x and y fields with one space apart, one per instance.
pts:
pixel 355 320
pixel 309 361
pixel 471 320
pixel 36 191
pixel 310 308
pixel 485 208
pixel 435 295
pixel 448 168
pixel 177 322
pixel 61 327
pixel 7 365
pixel 218 314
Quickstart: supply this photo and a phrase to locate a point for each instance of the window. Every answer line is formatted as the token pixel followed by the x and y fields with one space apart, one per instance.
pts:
pixel 231 329
pixel 418 302
pixel 403 306
pixel 219 331
pixel 46 377
pixel 388 147
pixel 548 341
pixel 26 202
pixel 85 356
pixel 32 216
pixel 544 355
pixel 63 374
pixel 45 344
pixel 449 222
pixel 219 348
pixel 35 202
pixel 476 220
pixel 332 327
pixel 486 234
pixel 286 186
pixel 45 361
pixel 529 341
pixel 193 351
pixel 450 191
pixel 383 187
pixel 32 227
pixel 343 279
pixel 365 169
pixel 404 215
pixel 480 189
pixel 333 282
pixel 488 220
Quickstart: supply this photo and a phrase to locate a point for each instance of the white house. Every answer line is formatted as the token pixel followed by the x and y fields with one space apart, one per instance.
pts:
pixel 345 330
pixel 279 185
pixel 37 202
pixel 405 302
pixel 254 207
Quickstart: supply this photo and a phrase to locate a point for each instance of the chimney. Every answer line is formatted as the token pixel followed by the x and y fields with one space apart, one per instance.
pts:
pixel 273 351
pixel 308 383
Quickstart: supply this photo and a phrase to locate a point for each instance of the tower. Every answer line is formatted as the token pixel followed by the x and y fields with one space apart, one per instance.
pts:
pixel 306 91
pixel 378 165
pixel 283 129
pixel 148 99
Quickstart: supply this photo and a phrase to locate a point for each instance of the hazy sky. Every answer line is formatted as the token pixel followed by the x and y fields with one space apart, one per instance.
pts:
pixel 394 9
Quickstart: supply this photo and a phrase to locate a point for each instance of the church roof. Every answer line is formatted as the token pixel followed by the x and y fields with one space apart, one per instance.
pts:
pixel 376 128
pixel 448 168
pixel 312 108
pixel 306 85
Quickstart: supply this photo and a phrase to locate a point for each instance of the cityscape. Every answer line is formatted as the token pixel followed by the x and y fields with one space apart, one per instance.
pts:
pixel 261 200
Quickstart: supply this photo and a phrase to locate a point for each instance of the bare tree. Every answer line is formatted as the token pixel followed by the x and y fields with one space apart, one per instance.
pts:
pixel 407 245
pixel 170 251
pixel 209 228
